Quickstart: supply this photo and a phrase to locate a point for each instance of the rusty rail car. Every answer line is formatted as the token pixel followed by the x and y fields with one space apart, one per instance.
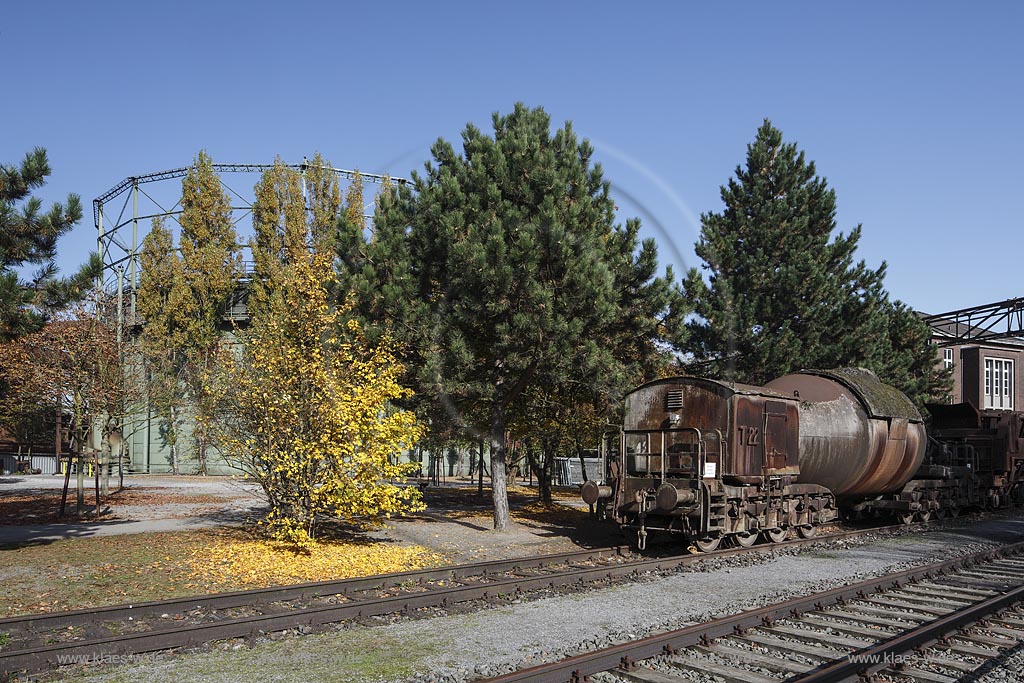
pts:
pixel 714 461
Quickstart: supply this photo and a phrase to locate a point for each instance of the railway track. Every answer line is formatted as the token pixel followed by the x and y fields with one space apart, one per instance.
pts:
pixel 40 642
pixel 932 624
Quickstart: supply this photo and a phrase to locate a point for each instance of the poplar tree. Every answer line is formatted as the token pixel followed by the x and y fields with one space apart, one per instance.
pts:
pixel 284 230
pixel 783 291
pixel 162 339
pixel 502 270
pixel 183 296
pixel 211 265
pixel 28 237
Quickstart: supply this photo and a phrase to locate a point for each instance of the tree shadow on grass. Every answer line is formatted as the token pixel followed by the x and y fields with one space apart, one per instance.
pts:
pixel 462 506
pixel 14 537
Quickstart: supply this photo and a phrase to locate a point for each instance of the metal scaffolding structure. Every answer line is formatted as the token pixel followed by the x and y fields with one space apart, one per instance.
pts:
pixel 145 197
pixel 988 322
pixel 122 218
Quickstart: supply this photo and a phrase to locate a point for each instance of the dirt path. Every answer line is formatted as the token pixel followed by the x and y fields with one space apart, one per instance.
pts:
pixel 457 522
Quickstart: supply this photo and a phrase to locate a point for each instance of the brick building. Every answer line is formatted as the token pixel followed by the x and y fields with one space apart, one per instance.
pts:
pixel 987 373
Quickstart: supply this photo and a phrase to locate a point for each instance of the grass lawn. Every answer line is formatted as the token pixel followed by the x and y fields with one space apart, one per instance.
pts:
pixel 109 570
pixel 104 570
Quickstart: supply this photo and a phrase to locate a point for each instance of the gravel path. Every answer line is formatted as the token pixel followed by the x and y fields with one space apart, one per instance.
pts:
pixel 457 648
pixel 231 502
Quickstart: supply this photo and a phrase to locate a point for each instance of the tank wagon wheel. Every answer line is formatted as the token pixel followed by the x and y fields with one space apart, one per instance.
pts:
pixel 940 513
pixel 745 540
pixel 706 545
pixel 807 531
pixel 924 516
pixel 906 519
pixel 777 535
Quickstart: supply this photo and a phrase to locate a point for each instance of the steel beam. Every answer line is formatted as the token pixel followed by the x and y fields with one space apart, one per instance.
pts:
pixel 1001 320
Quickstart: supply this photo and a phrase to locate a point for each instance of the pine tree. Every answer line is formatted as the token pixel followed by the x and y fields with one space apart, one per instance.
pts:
pixel 651 309
pixel 783 293
pixel 910 364
pixel 29 237
pixel 508 270
pixel 378 271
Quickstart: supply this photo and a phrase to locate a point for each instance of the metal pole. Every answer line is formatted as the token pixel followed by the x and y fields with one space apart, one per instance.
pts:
pixel 133 262
pixel 120 307
pixel 99 238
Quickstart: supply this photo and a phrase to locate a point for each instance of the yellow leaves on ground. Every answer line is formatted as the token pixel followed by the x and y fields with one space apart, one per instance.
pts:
pixel 250 563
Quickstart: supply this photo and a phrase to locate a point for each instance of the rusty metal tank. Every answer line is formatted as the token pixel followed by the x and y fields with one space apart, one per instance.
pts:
pixel 858 436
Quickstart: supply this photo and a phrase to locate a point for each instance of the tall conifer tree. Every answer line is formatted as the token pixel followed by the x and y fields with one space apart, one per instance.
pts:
pixel 783 291
pixel 28 236
pixel 503 269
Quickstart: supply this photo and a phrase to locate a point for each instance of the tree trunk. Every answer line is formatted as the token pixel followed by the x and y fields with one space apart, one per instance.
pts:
pixel 541 462
pixel 547 461
pixel 105 457
pixel 174 441
pixel 201 442
pixel 80 501
pixel 502 521
pixel 57 439
pixel 67 485
pixel 480 470
pixel 583 461
pixel 96 458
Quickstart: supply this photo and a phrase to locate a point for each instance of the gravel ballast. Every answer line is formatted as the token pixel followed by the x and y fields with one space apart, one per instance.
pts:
pixel 458 648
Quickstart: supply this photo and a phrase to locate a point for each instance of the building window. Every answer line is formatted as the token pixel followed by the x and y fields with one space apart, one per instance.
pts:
pixel 999 383
pixel 947 358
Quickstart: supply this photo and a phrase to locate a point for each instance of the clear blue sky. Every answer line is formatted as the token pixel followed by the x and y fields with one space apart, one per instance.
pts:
pixel 912 111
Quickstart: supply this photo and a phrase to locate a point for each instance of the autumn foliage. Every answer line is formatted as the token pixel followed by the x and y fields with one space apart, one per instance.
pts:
pixel 305 404
pixel 230 563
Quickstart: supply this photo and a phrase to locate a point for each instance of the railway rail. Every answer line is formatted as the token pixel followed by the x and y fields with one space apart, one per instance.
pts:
pixel 40 642
pixel 932 624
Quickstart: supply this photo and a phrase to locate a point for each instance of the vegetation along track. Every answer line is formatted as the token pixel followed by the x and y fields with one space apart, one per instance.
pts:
pixel 934 624
pixel 40 642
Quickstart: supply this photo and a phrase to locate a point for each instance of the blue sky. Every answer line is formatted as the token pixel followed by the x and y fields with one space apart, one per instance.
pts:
pixel 912 111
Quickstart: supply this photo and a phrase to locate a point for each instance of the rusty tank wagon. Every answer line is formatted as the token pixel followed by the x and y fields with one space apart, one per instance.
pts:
pixel 715 461
pixel 711 461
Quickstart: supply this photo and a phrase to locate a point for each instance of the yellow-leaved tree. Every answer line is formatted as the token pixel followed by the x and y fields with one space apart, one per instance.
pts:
pixel 305 402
